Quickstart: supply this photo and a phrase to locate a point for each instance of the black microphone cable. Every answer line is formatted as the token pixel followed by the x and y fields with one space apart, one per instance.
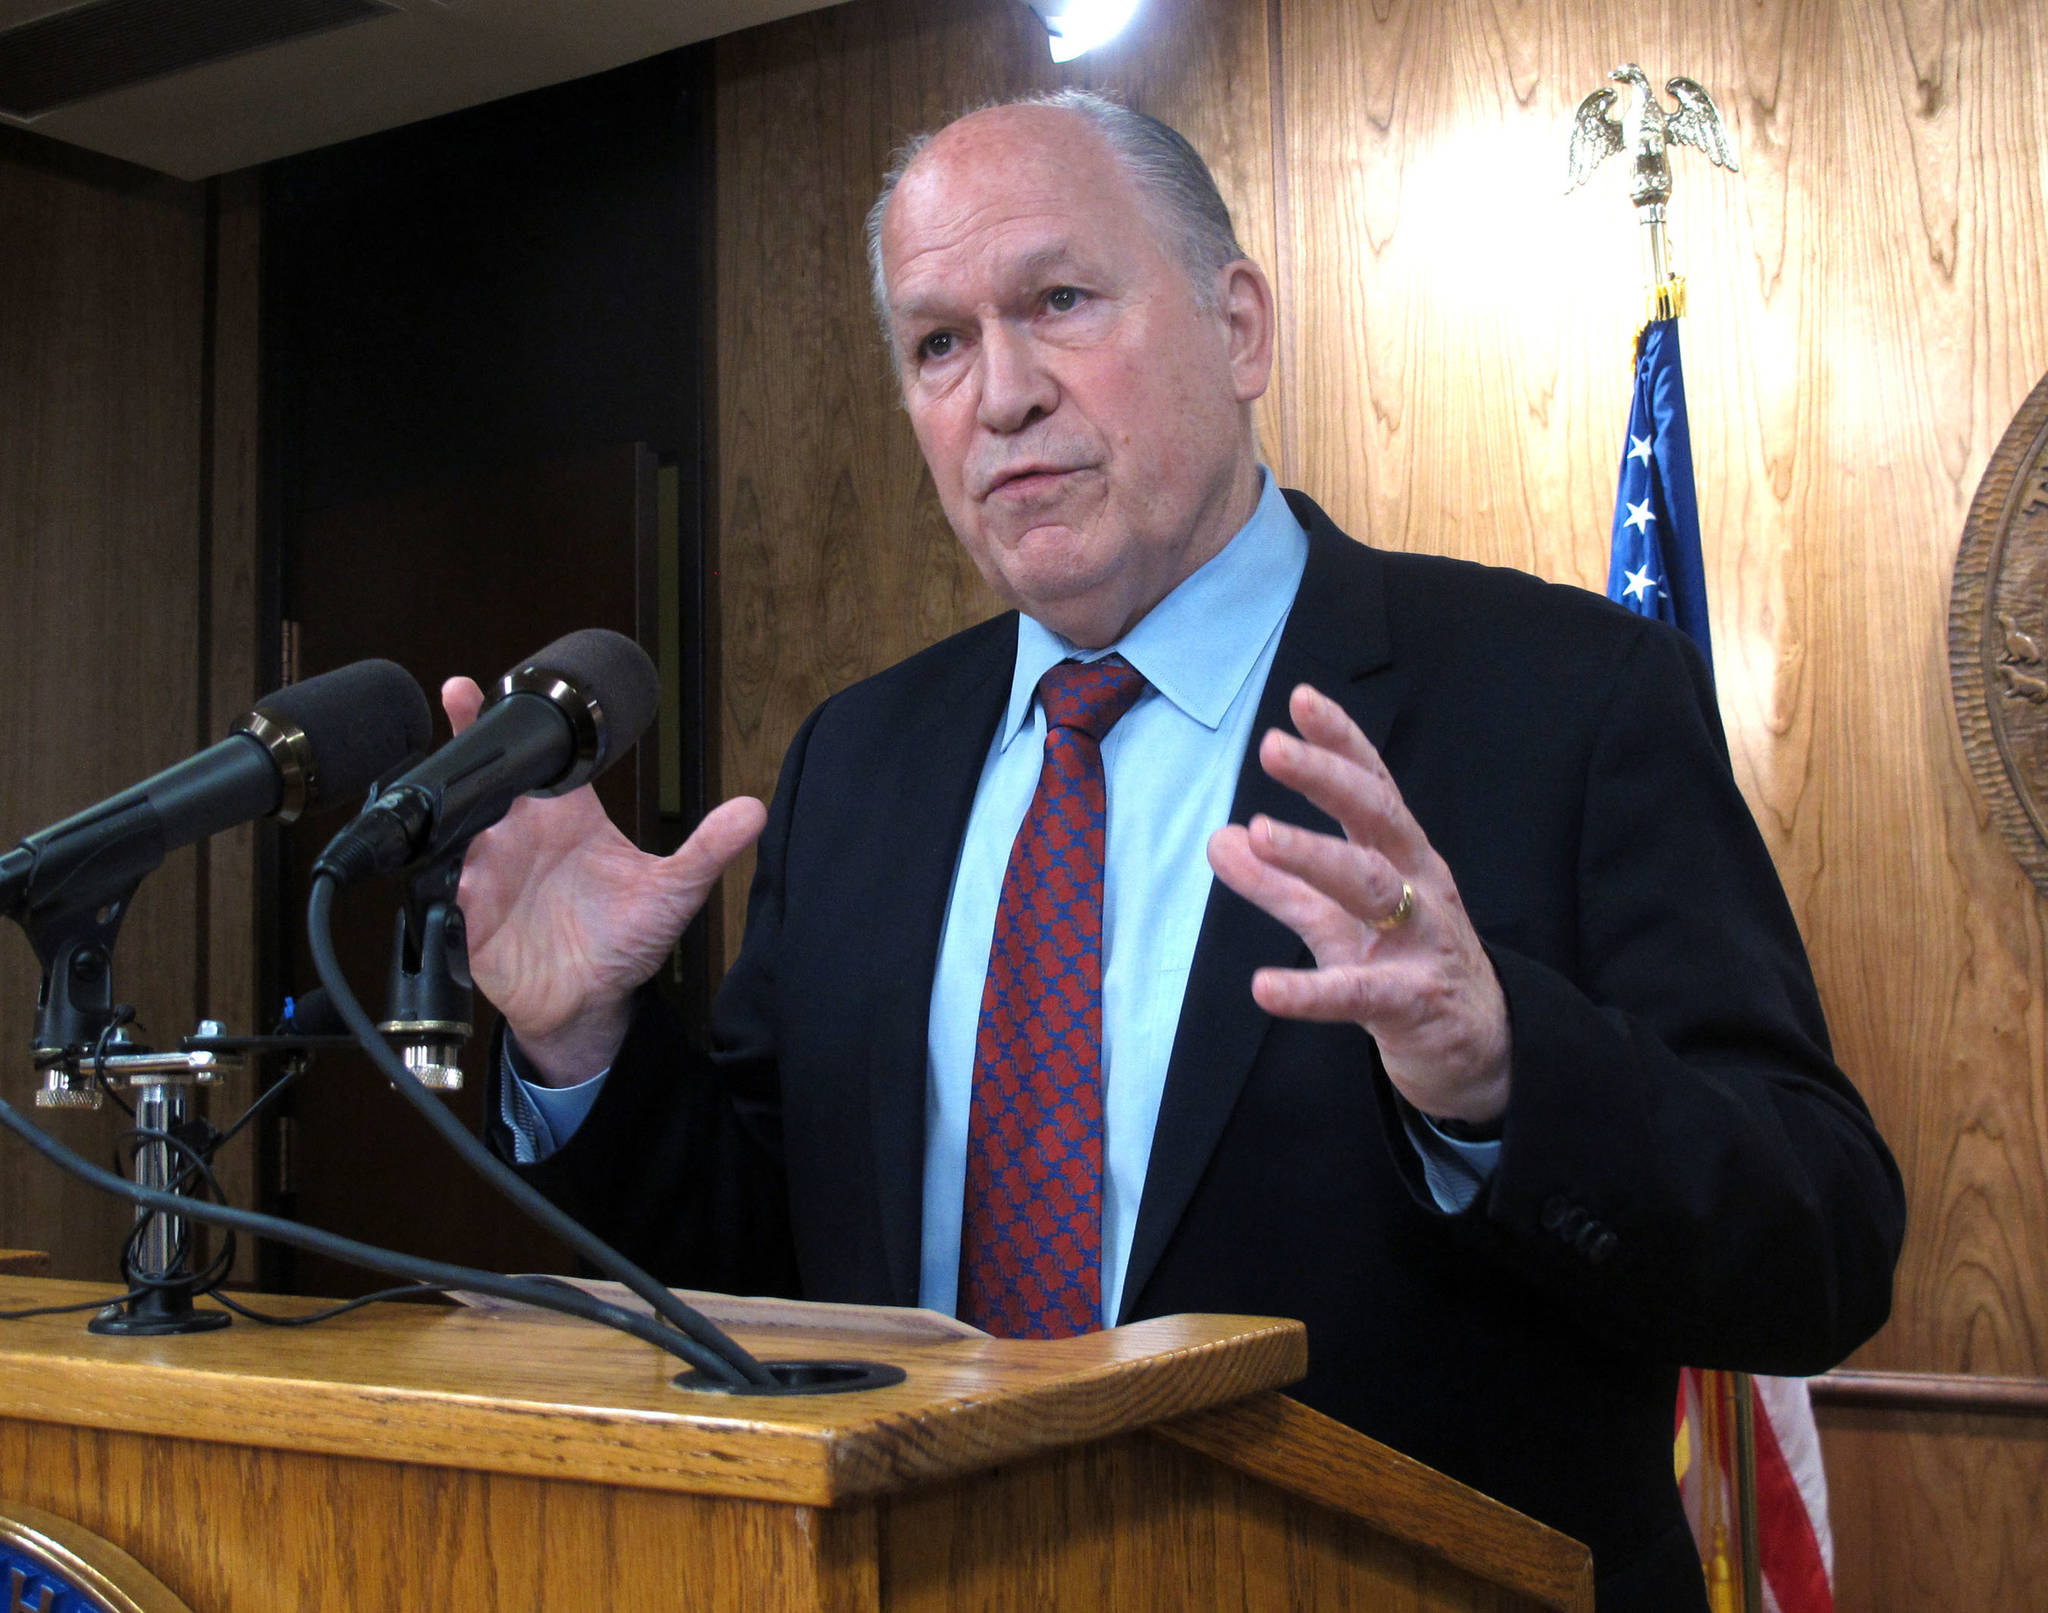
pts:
pixel 736 1366
pixel 540 1293
pixel 70 1307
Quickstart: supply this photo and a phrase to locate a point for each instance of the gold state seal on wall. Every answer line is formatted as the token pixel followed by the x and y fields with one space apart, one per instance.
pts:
pixel 1998 636
pixel 50 1565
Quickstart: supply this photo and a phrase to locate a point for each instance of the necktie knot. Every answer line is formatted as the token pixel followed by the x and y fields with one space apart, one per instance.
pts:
pixel 1089 695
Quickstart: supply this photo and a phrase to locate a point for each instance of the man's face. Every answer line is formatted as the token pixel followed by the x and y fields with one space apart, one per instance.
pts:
pixel 1083 416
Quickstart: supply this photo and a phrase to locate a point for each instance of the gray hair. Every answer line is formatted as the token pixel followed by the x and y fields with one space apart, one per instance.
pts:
pixel 1168 172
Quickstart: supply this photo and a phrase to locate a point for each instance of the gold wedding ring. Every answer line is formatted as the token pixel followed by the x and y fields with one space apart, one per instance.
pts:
pixel 1404 910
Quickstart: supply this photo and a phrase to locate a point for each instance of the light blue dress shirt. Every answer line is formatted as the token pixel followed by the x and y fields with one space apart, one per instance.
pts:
pixel 1171 768
pixel 542 1118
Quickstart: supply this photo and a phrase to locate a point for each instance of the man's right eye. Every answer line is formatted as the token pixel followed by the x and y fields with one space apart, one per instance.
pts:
pixel 936 345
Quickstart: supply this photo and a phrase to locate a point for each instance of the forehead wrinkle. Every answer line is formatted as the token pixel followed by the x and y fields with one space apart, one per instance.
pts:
pixel 1022 272
pixel 982 166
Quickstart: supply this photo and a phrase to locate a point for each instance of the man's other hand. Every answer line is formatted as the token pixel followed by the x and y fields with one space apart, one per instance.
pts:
pixel 1417 977
pixel 567 917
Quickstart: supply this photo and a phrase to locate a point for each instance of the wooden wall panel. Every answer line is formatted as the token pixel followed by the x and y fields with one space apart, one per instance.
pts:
pixel 834 559
pixel 1869 304
pixel 102 311
pixel 1926 933
pixel 1937 1510
pixel 1868 309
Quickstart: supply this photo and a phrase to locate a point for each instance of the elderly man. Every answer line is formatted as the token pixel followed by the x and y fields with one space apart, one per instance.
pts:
pixel 1490 1050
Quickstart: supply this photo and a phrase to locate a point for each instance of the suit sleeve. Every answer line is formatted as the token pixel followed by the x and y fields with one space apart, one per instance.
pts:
pixel 680 1162
pixel 1681 1157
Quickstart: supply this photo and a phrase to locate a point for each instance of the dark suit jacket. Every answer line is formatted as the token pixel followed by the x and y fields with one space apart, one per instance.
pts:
pixel 1685 1176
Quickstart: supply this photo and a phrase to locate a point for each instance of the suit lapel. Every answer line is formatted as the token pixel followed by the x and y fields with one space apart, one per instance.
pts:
pixel 1336 638
pixel 937 762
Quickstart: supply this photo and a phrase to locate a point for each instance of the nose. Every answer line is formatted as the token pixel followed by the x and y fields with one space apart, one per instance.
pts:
pixel 1016 389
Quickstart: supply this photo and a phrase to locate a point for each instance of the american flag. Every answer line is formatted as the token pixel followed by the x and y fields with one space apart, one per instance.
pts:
pixel 1657 570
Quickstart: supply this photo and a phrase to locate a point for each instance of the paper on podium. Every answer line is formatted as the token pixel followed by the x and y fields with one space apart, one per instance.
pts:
pixel 741 1310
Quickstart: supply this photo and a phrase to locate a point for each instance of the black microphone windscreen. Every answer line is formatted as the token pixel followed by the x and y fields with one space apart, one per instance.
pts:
pixel 313 1013
pixel 612 670
pixel 364 721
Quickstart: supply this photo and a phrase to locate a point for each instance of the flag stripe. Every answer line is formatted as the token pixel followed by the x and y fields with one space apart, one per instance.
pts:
pixel 1795 1572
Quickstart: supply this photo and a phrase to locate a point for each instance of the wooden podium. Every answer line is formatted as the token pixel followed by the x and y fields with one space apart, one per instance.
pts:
pixel 413 1456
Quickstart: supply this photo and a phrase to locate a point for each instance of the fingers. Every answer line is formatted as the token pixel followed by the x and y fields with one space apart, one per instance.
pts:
pixel 1357 975
pixel 1332 933
pixel 1384 999
pixel 1359 879
pixel 1442 1032
pixel 462 700
pixel 1244 871
pixel 1334 765
pixel 1423 988
pixel 1306 994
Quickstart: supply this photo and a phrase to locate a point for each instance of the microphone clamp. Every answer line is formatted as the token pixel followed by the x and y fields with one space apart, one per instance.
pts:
pixel 428 1014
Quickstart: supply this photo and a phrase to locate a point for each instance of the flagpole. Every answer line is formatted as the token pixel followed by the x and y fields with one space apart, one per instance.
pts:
pixel 1745 1490
pixel 1656 251
pixel 1657 568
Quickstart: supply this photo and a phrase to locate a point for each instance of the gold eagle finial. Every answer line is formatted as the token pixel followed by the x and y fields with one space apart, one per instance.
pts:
pixel 1646 131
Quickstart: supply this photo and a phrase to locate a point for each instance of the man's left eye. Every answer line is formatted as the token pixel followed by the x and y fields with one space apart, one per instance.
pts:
pixel 1063 299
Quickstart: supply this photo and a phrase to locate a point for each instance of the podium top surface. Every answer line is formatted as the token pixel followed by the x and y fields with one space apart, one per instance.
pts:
pixel 549 1397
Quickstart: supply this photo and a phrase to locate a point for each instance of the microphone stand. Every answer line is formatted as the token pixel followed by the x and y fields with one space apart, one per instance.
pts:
pixel 160 1260
pixel 73 934
pixel 429 996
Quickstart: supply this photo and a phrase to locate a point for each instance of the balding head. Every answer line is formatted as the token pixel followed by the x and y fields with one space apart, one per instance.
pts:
pixel 1173 182
pixel 1081 396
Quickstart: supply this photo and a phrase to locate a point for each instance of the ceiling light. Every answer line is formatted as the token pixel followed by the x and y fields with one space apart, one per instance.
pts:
pixel 1079 25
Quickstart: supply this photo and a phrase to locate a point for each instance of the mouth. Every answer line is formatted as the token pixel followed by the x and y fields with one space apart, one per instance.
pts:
pixel 1028 481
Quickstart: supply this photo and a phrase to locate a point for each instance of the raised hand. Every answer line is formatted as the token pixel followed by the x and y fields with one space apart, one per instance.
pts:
pixel 1394 949
pixel 567 917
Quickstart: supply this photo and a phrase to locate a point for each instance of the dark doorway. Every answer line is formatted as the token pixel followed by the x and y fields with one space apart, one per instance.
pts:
pixel 385 572
pixel 486 392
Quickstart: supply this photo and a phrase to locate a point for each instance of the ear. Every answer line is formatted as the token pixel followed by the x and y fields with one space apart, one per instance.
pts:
pixel 1247 309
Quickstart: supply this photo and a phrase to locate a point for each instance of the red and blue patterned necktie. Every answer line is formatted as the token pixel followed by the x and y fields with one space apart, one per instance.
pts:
pixel 1031 1228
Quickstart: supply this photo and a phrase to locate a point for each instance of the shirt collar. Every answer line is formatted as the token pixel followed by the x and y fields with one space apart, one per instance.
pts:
pixel 1198 644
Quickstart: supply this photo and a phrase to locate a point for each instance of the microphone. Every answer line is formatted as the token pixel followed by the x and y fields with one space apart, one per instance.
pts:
pixel 554 722
pixel 308 744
